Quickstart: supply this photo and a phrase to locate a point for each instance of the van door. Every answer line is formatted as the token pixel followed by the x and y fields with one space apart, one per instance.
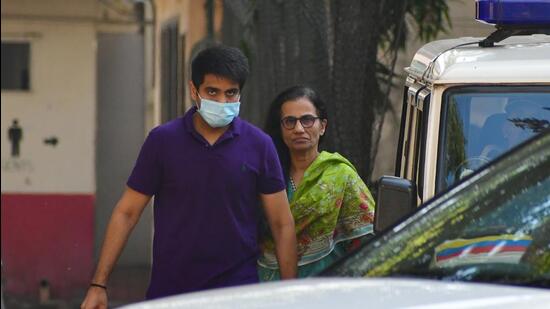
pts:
pixel 410 156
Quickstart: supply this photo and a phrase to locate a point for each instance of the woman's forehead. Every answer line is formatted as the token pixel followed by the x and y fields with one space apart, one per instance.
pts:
pixel 298 107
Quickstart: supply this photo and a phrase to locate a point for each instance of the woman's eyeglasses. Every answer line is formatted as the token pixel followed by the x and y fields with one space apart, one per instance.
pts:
pixel 307 121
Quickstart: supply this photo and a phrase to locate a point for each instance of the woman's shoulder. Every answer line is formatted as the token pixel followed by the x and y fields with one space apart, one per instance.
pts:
pixel 336 161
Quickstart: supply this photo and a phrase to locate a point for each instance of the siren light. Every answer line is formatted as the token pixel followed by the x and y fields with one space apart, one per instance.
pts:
pixel 513 12
pixel 513 17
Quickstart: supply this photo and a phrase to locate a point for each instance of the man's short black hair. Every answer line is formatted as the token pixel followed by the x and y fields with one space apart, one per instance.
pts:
pixel 225 61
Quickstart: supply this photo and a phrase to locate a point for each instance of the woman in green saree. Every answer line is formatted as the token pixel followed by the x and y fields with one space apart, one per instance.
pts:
pixel 332 207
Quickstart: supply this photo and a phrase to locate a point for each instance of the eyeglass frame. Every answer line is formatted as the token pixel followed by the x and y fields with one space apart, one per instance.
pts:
pixel 301 119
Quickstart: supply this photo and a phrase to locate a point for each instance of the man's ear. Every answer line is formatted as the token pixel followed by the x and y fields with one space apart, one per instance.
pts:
pixel 193 91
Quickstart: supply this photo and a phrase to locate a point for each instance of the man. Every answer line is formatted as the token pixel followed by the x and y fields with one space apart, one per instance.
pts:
pixel 524 118
pixel 208 172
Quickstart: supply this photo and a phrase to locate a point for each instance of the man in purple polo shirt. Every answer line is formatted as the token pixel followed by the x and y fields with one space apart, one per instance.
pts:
pixel 209 172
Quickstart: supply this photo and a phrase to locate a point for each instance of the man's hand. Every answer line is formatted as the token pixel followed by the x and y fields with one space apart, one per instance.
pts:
pixel 96 298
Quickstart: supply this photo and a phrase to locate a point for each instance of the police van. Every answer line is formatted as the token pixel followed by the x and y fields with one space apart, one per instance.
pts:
pixel 467 101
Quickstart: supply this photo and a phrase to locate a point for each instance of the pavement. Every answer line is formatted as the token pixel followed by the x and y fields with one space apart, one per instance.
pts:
pixel 126 285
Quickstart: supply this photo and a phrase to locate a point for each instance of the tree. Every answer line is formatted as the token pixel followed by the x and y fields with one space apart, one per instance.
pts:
pixel 345 49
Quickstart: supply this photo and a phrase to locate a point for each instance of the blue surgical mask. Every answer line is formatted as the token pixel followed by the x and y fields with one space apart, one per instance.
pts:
pixel 218 114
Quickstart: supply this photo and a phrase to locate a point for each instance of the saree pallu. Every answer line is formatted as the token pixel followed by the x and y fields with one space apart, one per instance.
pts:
pixel 331 205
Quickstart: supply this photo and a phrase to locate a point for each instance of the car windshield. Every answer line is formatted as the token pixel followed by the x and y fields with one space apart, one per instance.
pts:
pixel 494 227
pixel 484 122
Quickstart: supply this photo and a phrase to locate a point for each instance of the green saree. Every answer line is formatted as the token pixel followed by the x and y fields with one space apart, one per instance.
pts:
pixel 331 206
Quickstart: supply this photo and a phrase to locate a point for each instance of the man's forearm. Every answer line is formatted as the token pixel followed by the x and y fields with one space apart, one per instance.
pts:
pixel 125 216
pixel 118 231
pixel 285 240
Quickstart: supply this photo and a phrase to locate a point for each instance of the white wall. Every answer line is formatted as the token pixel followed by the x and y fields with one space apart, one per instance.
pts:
pixel 61 103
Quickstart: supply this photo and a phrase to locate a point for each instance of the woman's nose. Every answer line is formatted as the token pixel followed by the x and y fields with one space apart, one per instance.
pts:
pixel 298 127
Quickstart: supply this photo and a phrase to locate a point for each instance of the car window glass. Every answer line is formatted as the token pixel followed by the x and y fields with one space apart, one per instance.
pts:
pixel 481 124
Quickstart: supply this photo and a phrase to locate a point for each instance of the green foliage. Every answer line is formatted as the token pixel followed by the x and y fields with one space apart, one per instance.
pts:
pixel 431 16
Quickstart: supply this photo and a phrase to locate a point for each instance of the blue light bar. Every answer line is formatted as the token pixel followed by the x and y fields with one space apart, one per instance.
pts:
pixel 513 12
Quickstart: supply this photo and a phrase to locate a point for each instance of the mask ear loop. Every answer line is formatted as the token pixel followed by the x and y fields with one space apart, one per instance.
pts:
pixel 196 102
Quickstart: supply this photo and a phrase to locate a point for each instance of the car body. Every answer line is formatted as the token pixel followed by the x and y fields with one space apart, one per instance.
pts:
pixel 357 293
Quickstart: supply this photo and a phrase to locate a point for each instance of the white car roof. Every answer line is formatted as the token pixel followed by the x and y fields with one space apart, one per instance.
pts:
pixel 520 59
pixel 358 293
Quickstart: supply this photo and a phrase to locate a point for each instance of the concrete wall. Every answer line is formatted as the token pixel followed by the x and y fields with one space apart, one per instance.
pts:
pixel 48 191
pixel 60 103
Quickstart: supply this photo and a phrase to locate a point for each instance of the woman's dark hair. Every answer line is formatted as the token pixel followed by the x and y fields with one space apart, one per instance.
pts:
pixel 220 60
pixel 273 123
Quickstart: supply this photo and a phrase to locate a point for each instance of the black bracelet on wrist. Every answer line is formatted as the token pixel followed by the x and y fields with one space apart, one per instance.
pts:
pixel 99 286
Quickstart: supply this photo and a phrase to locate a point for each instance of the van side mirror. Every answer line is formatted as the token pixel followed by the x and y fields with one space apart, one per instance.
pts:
pixel 396 199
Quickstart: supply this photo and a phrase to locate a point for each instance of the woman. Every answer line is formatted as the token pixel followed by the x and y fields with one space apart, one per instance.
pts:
pixel 332 207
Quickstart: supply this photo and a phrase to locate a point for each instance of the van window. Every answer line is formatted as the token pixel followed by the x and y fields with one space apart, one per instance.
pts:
pixel 481 123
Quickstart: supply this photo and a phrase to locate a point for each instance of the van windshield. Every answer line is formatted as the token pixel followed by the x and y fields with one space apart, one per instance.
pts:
pixel 481 123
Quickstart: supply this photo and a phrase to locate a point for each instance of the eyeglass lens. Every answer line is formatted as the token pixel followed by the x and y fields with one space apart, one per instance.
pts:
pixel 306 121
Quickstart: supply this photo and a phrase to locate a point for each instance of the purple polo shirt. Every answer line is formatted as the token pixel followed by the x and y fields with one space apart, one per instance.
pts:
pixel 207 208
